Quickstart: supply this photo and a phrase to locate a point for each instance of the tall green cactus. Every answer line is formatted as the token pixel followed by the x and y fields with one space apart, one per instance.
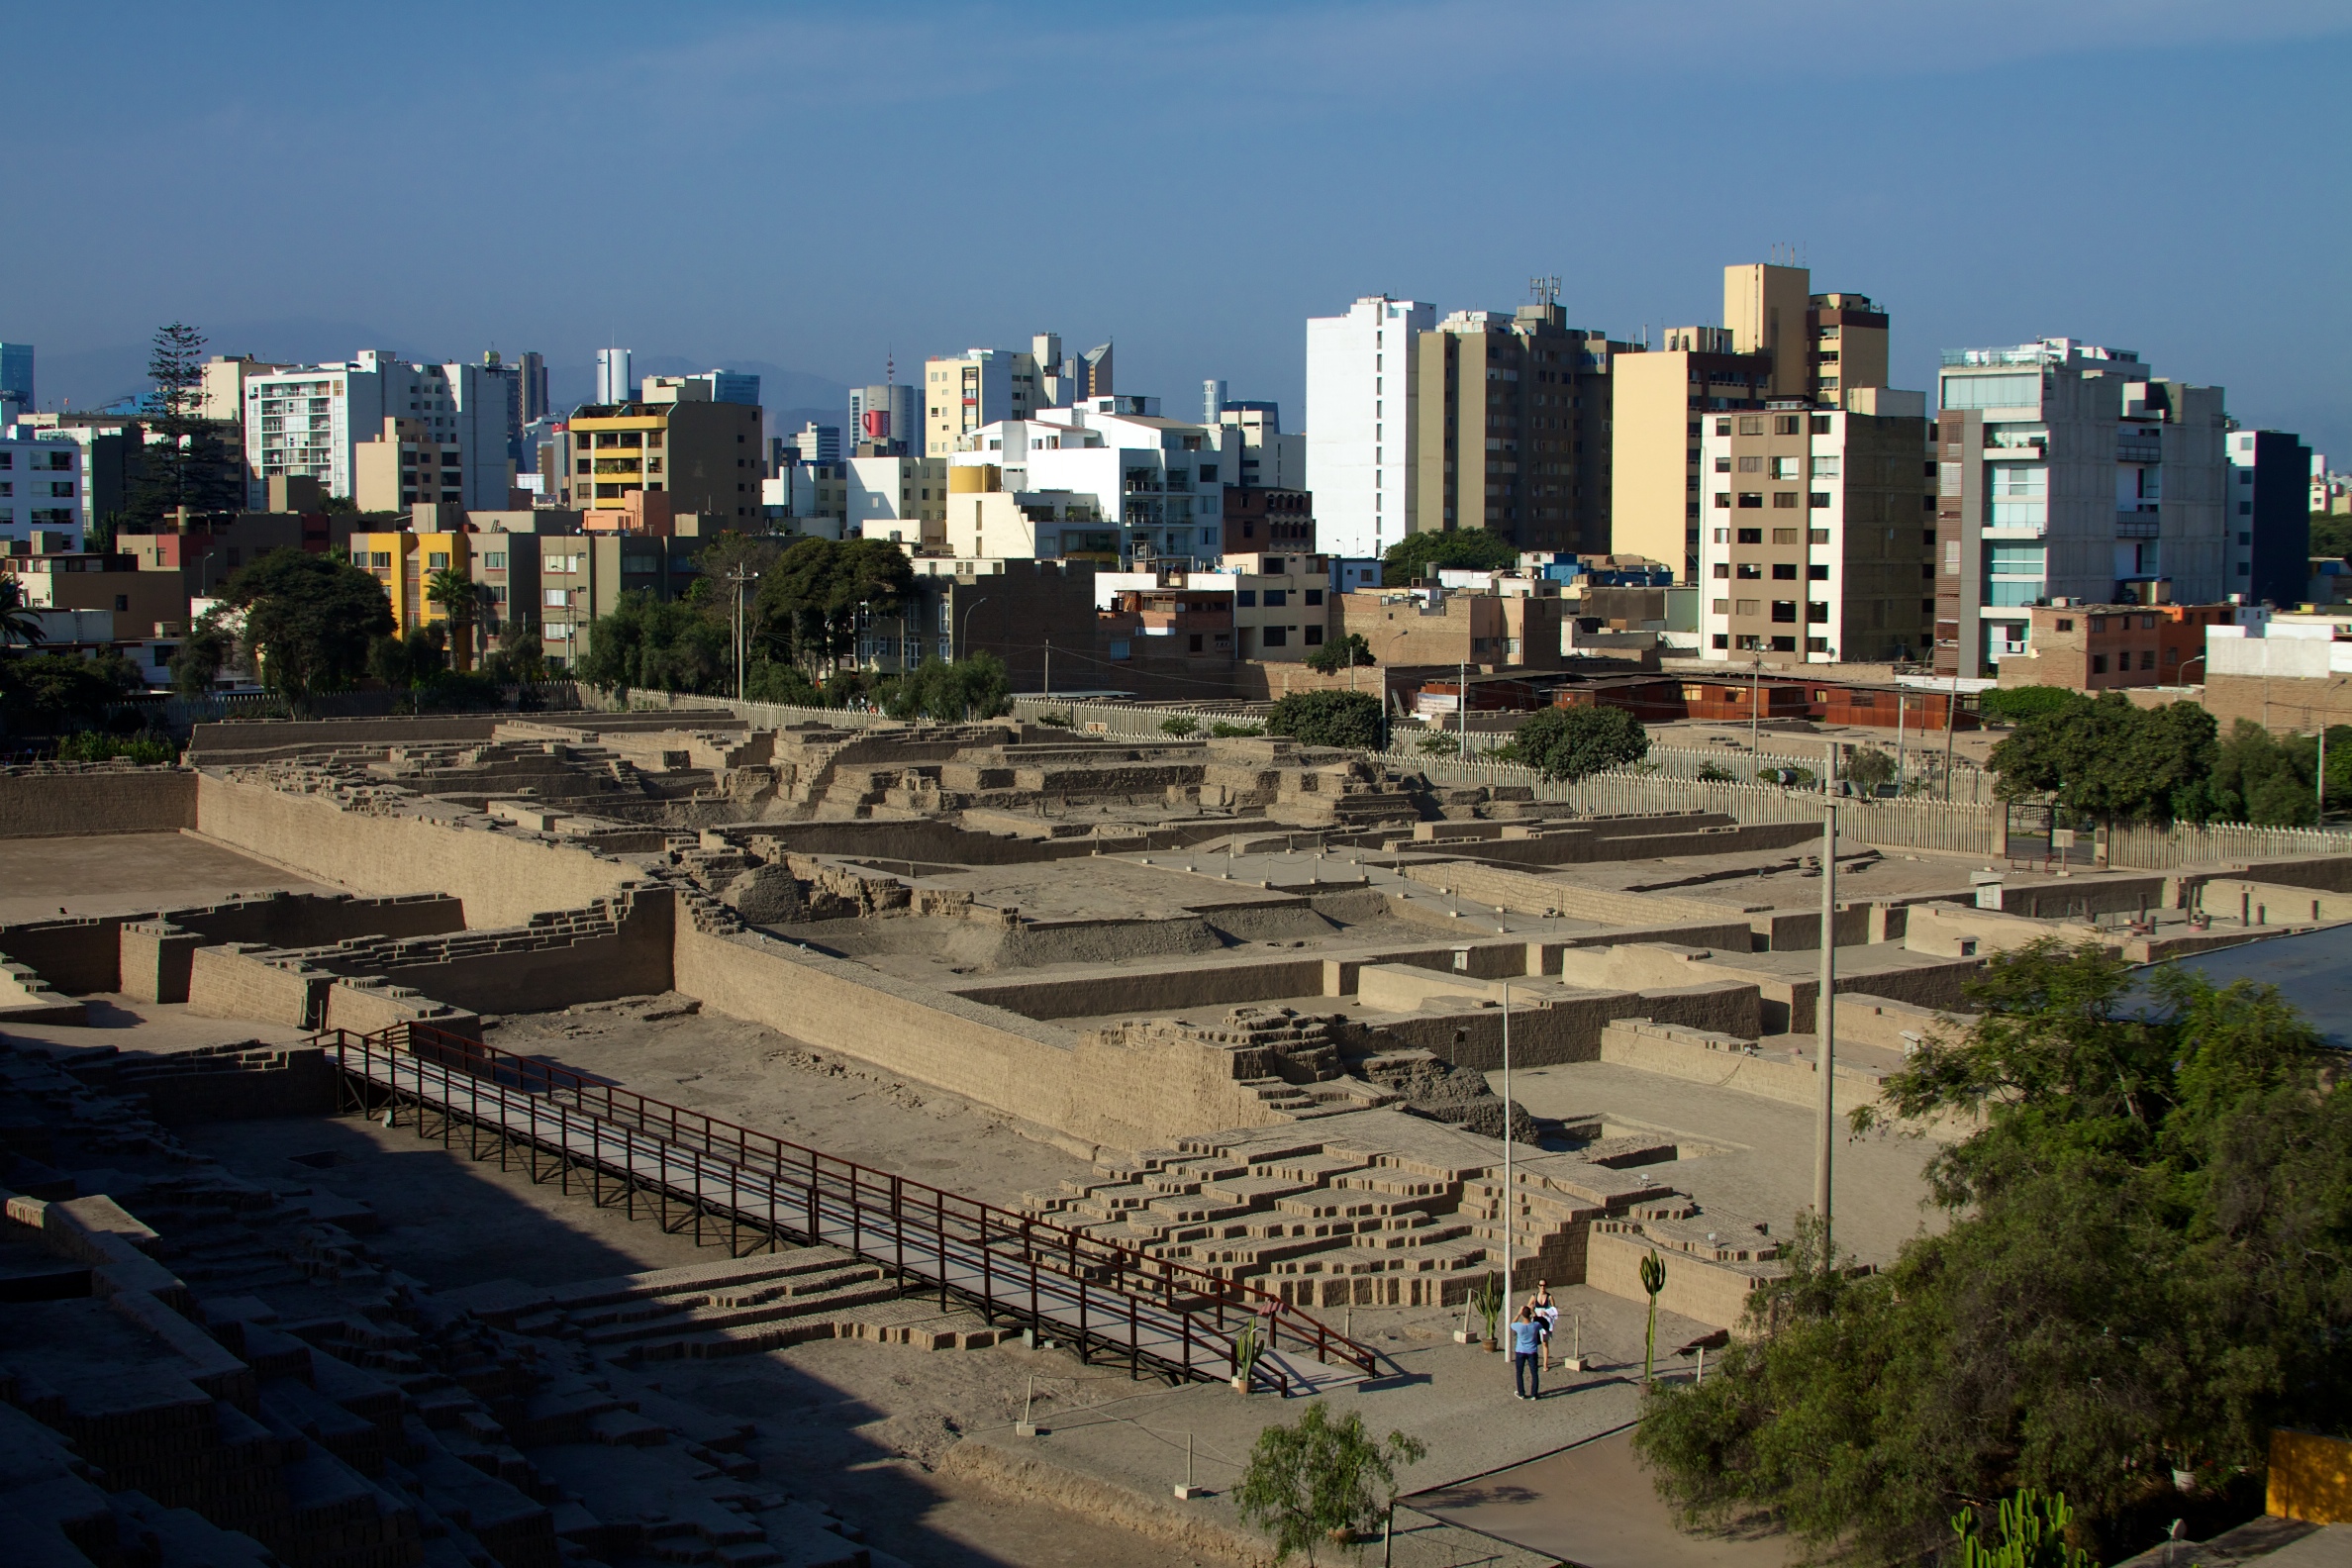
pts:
pixel 2033 1534
pixel 1653 1280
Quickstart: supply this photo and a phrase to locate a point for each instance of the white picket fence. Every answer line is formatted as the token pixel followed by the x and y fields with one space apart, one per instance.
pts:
pixel 2152 848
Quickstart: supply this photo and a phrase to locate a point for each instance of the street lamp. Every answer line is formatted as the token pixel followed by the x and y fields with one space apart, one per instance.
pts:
pixel 964 638
pixel 2194 658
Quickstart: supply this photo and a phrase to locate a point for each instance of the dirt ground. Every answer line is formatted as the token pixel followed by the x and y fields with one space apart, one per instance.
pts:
pixel 748 1074
pixel 116 873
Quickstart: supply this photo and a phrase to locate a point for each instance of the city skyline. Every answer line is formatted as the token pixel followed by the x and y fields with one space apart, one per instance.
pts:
pixel 1986 186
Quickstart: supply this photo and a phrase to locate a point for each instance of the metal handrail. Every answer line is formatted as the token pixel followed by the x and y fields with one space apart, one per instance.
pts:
pixel 881 1208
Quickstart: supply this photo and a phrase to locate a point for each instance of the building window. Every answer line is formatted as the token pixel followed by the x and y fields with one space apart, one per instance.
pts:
pixel 1822 536
pixel 1750 571
pixel 1751 497
pixel 1821 498
pixel 2147 659
pixel 1751 424
pixel 2065 624
pixel 1746 607
pixel 1816 572
pixel 1313 636
pixel 1784 536
pixel 1722 568
pixel 1245 597
pixel 1784 610
pixel 1816 611
pixel 2099 664
pixel 1784 571
pixel 1722 641
pixel 1754 535
pixel 1783 500
pixel 1277 637
pixel 1787 425
pixel 1723 499
pixel 1277 598
pixel 1783 644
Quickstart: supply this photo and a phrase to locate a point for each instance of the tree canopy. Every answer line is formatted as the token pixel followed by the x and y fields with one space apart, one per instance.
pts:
pixel 48 692
pixel 2104 757
pixel 2148 1266
pixel 661 646
pixel 1576 743
pixel 810 595
pixel 1328 719
pixel 309 620
pixel 969 688
pixel 190 462
pixel 1468 550
pixel 1341 653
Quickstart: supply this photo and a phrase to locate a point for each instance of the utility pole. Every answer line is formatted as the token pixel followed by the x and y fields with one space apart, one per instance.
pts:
pixel 1902 708
pixel 1951 726
pixel 1755 703
pixel 2321 785
pixel 1462 710
pixel 1826 1007
pixel 1509 1195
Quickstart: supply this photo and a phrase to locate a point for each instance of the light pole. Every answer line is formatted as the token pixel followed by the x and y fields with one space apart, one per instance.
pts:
pixel 738 578
pixel 1826 1007
pixel 963 639
pixel 1510 1197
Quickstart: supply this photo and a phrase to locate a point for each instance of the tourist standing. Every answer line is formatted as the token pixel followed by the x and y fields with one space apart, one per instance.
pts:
pixel 1526 1373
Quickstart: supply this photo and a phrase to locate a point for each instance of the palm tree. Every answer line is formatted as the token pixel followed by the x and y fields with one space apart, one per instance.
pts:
pixel 19 622
pixel 457 595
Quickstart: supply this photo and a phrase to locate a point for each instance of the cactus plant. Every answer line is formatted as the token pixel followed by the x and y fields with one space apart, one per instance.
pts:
pixel 1487 1301
pixel 1653 1280
pixel 2033 1534
pixel 1246 1353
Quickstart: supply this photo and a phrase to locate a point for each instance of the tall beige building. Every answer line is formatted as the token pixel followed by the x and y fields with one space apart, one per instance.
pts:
pixel 1779 340
pixel 981 386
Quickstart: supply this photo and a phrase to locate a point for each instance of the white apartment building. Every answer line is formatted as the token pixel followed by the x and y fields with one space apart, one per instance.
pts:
pixel 900 499
pixel 1158 483
pixel 1360 429
pixel 41 489
pixel 2069 471
pixel 306 423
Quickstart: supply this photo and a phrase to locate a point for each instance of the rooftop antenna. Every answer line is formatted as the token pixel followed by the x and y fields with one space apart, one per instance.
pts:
pixel 1545 289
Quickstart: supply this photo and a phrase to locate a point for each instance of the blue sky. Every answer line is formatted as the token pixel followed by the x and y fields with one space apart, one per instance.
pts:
pixel 809 185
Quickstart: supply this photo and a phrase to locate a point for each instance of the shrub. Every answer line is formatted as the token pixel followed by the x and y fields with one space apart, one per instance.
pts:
pixel 1179 726
pixel 1313 1482
pixel 1576 743
pixel 1328 719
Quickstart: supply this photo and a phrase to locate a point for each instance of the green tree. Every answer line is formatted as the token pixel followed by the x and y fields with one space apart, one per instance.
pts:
pixel 405 663
pixel 654 645
pixel 811 598
pixel 19 622
pixel 520 657
pixel 2104 757
pixel 1180 726
pixel 973 687
pixel 309 620
pixel 1468 550
pixel 207 649
pixel 187 460
pixel 1332 658
pixel 1576 743
pixel 2331 535
pixel 1328 719
pixel 459 597
pixel 1868 768
pixel 2013 704
pixel 768 681
pixel 48 692
pixel 2148 1266
pixel 1312 1481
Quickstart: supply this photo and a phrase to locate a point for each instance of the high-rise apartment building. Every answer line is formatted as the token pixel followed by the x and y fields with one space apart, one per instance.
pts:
pixel 1818 526
pixel 2267 518
pixel 41 488
pixel 1268 458
pixel 16 381
pixel 2069 471
pixel 306 422
pixel 977 387
pixel 1512 427
pixel 706 457
pixel 614 383
pixel 532 371
pixel 1360 459
pixel 886 421
pixel 1778 339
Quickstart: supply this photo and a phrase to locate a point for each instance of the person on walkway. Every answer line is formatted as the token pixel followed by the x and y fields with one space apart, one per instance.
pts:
pixel 1547 1318
pixel 1526 1373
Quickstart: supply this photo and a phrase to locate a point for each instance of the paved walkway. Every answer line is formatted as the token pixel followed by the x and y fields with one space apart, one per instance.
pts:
pixel 1595 1507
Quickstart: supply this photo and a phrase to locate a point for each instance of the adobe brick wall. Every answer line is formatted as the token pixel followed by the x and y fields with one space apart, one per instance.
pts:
pixel 1717 1059
pixel 26 998
pixel 1142 989
pixel 365 1005
pixel 232 982
pixel 1569 1029
pixel 299 1082
pixel 2283 703
pixel 255 739
pixel 74 954
pixel 156 960
pixel 98 800
pixel 1696 1288
pixel 1126 1096
pixel 623 951
pixel 502 879
pixel 83 953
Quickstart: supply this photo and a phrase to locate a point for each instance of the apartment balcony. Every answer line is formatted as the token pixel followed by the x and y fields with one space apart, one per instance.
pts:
pixel 2143 449
pixel 2136 525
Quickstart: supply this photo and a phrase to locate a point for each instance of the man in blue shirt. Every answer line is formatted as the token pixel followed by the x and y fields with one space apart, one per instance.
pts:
pixel 1526 1371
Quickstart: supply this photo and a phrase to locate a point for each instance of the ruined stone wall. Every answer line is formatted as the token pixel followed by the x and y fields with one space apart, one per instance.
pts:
pixel 83 953
pixel 1569 1029
pixel 1529 894
pixel 53 802
pixel 622 948
pixel 1694 1288
pixel 503 879
pixel 255 739
pixel 1719 1062
pixel 237 981
pixel 1143 989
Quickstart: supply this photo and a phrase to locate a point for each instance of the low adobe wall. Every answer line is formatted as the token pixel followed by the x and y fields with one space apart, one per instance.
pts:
pixel 71 803
pixel 622 949
pixel 1720 1061
pixel 83 953
pixel 1128 1096
pixel 502 878
pixel 1696 1288
pixel 231 740
pixel 1566 1029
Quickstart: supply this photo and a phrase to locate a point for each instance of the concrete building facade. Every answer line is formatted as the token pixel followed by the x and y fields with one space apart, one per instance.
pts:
pixel 41 488
pixel 704 456
pixel 1819 535
pixel 2069 471
pixel 887 419
pixel 2268 519
pixel 901 498
pixel 305 423
pixel 1510 429
pixel 1362 462
pixel 1659 400
pixel 1158 484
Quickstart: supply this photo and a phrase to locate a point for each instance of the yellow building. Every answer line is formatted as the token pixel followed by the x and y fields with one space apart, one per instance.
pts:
pixel 404 563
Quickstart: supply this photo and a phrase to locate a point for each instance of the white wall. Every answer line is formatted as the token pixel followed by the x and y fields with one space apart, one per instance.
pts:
pixel 1360 398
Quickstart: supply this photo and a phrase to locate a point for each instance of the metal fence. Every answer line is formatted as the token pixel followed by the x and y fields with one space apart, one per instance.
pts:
pixel 1108 1299
pixel 2152 848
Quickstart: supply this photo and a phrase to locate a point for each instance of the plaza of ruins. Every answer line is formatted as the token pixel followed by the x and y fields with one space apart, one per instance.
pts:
pixel 1223 1019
